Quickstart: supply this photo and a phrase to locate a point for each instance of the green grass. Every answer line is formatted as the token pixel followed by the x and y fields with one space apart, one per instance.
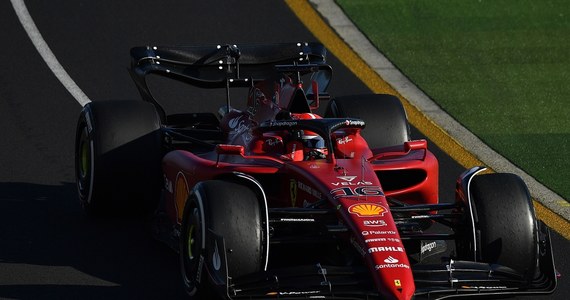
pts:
pixel 501 68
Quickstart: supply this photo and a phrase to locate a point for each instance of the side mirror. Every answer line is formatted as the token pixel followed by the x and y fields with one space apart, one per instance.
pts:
pixel 230 149
pixel 415 145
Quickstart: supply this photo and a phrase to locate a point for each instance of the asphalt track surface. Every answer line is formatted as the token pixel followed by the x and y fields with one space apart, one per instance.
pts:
pixel 48 248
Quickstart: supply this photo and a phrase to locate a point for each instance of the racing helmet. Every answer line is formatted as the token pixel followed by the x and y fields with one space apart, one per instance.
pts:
pixel 314 146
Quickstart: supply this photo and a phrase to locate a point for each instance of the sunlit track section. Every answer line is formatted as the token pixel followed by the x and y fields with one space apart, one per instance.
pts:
pixel 313 21
pixel 318 27
pixel 46 53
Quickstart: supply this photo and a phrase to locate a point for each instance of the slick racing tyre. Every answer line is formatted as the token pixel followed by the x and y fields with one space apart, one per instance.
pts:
pixel 117 156
pixel 505 222
pixel 219 213
pixel 384 115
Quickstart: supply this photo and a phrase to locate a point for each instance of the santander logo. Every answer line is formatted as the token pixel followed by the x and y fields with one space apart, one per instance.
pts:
pixel 391 260
pixel 391 263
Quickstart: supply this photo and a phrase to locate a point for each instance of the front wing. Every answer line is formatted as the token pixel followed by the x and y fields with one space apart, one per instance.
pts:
pixel 452 279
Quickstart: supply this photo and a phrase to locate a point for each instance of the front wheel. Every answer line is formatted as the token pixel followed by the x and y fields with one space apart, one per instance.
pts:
pixel 506 229
pixel 219 216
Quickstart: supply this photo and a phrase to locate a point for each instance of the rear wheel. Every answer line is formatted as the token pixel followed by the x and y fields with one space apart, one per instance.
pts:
pixel 219 209
pixel 117 156
pixel 384 115
pixel 506 228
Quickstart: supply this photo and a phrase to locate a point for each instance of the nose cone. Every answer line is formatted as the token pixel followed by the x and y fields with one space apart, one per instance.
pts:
pixel 395 280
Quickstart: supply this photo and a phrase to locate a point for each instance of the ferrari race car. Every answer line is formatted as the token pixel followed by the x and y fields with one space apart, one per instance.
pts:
pixel 280 200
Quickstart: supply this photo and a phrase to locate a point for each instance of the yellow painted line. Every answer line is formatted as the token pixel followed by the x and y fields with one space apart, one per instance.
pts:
pixel 553 220
pixel 326 35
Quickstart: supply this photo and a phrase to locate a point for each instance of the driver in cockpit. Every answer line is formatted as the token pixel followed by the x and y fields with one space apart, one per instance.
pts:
pixel 295 145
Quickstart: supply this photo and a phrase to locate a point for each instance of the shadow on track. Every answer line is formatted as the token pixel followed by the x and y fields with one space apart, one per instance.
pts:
pixel 60 253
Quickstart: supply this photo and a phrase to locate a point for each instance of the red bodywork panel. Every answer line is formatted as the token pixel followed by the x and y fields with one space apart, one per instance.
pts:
pixel 351 185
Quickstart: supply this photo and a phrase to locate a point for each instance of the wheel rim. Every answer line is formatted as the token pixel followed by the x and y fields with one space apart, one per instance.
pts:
pixel 190 256
pixel 84 165
pixel 84 150
pixel 190 242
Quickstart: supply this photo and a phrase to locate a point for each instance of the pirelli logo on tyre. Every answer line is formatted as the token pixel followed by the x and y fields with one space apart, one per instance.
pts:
pixel 367 210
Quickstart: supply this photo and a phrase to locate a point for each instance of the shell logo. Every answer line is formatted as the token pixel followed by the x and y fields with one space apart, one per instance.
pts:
pixel 180 195
pixel 367 209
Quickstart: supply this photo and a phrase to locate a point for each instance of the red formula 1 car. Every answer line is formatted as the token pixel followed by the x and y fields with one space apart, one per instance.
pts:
pixel 276 201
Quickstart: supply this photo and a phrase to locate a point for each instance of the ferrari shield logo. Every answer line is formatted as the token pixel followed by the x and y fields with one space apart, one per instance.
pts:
pixel 397 283
pixel 293 191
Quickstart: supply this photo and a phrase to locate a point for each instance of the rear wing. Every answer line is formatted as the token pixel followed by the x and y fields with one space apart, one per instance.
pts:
pixel 224 66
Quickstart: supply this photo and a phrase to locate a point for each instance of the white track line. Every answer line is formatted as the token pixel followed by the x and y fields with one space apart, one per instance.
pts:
pixel 45 52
